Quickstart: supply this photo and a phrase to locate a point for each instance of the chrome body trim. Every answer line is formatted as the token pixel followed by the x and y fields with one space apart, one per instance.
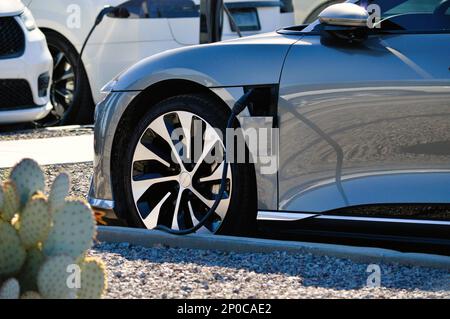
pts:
pixel 287 216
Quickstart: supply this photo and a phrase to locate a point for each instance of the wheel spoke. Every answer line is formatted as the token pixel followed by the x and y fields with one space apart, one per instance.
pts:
pixel 176 211
pixel 65 93
pixel 217 174
pixel 211 140
pixel 65 77
pixel 58 110
pixel 58 58
pixel 195 221
pixel 151 221
pixel 142 153
pixel 140 187
pixel 159 127
pixel 186 125
pixel 221 209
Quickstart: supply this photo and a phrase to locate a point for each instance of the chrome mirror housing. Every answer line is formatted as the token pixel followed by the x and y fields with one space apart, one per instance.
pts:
pixel 344 15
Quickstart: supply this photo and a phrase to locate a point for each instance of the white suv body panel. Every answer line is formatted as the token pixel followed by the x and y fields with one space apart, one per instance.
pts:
pixel 35 61
pixel 11 8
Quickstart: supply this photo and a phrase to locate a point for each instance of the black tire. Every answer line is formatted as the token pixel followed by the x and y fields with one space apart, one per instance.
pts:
pixel 80 110
pixel 242 210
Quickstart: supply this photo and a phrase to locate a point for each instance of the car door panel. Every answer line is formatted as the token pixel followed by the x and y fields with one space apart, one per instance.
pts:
pixel 365 124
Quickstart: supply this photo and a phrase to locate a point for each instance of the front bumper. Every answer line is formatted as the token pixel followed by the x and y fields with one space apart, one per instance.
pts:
pixel 101 204
pixel 35 61
pixel 108 114
pixel 25 115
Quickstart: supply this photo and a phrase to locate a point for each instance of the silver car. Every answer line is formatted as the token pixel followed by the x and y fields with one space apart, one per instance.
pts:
pixel 358 103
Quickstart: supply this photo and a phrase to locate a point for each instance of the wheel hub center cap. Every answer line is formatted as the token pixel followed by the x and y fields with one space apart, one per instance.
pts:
pixel 185 179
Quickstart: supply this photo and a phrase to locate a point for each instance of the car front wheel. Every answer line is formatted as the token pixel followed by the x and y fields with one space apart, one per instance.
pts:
pixel 70 91
pixel 172 170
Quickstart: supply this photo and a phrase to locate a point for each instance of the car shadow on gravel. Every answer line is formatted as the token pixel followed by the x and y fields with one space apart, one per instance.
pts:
pixel 311 270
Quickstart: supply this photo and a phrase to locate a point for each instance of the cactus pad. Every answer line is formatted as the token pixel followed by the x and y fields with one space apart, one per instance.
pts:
pixel 59 192
pixel 10 289
pixel 93 282
pixel 29 272
pixel 73 230
pixel 53 278
pixel 35 222
pixel 12 253
pixel 29 178
pixel 10 201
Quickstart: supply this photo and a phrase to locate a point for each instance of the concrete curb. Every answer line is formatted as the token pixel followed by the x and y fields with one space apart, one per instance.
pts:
pixel 151 238
pixel 68 127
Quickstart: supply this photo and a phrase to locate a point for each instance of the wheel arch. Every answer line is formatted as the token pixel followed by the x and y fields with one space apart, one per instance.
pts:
pixel 158 92
pixel 47 31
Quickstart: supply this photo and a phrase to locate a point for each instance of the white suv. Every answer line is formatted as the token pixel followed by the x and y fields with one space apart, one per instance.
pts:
pixel 25 66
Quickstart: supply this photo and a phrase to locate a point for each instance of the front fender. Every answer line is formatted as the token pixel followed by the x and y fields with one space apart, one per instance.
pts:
pixel 248 61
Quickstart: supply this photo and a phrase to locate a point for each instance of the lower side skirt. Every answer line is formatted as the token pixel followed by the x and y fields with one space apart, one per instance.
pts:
pixel 403 236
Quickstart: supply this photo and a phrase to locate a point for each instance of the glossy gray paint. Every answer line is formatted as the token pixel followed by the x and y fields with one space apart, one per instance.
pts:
pixel 107 116
pixel 365 124
pixel 266 184
pixel 246 61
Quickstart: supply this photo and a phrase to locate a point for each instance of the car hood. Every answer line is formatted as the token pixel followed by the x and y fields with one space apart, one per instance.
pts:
pixel 11 7
pixel 246 61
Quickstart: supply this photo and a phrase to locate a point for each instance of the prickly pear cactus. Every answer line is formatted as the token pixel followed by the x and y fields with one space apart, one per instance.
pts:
pixel 58 192
pixel 72 233
pixel 92 278
pixel 28 178
pixel 43 242
pixel 10 289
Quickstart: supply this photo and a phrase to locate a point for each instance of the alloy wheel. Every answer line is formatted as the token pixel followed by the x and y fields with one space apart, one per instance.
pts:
pixel 175 180
pixel 63 87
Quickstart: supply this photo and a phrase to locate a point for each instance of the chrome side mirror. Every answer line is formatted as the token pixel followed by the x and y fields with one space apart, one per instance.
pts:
pixel 344 23
pixel 344 15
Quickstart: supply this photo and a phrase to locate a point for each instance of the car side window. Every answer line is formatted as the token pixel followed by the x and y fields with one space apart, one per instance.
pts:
pixel 173 8
pixel 144 9
pixel 413 15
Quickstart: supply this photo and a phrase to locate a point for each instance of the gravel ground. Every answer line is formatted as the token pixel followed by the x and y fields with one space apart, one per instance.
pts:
pixel 45 133
pixel 136 272
pixel 79 173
